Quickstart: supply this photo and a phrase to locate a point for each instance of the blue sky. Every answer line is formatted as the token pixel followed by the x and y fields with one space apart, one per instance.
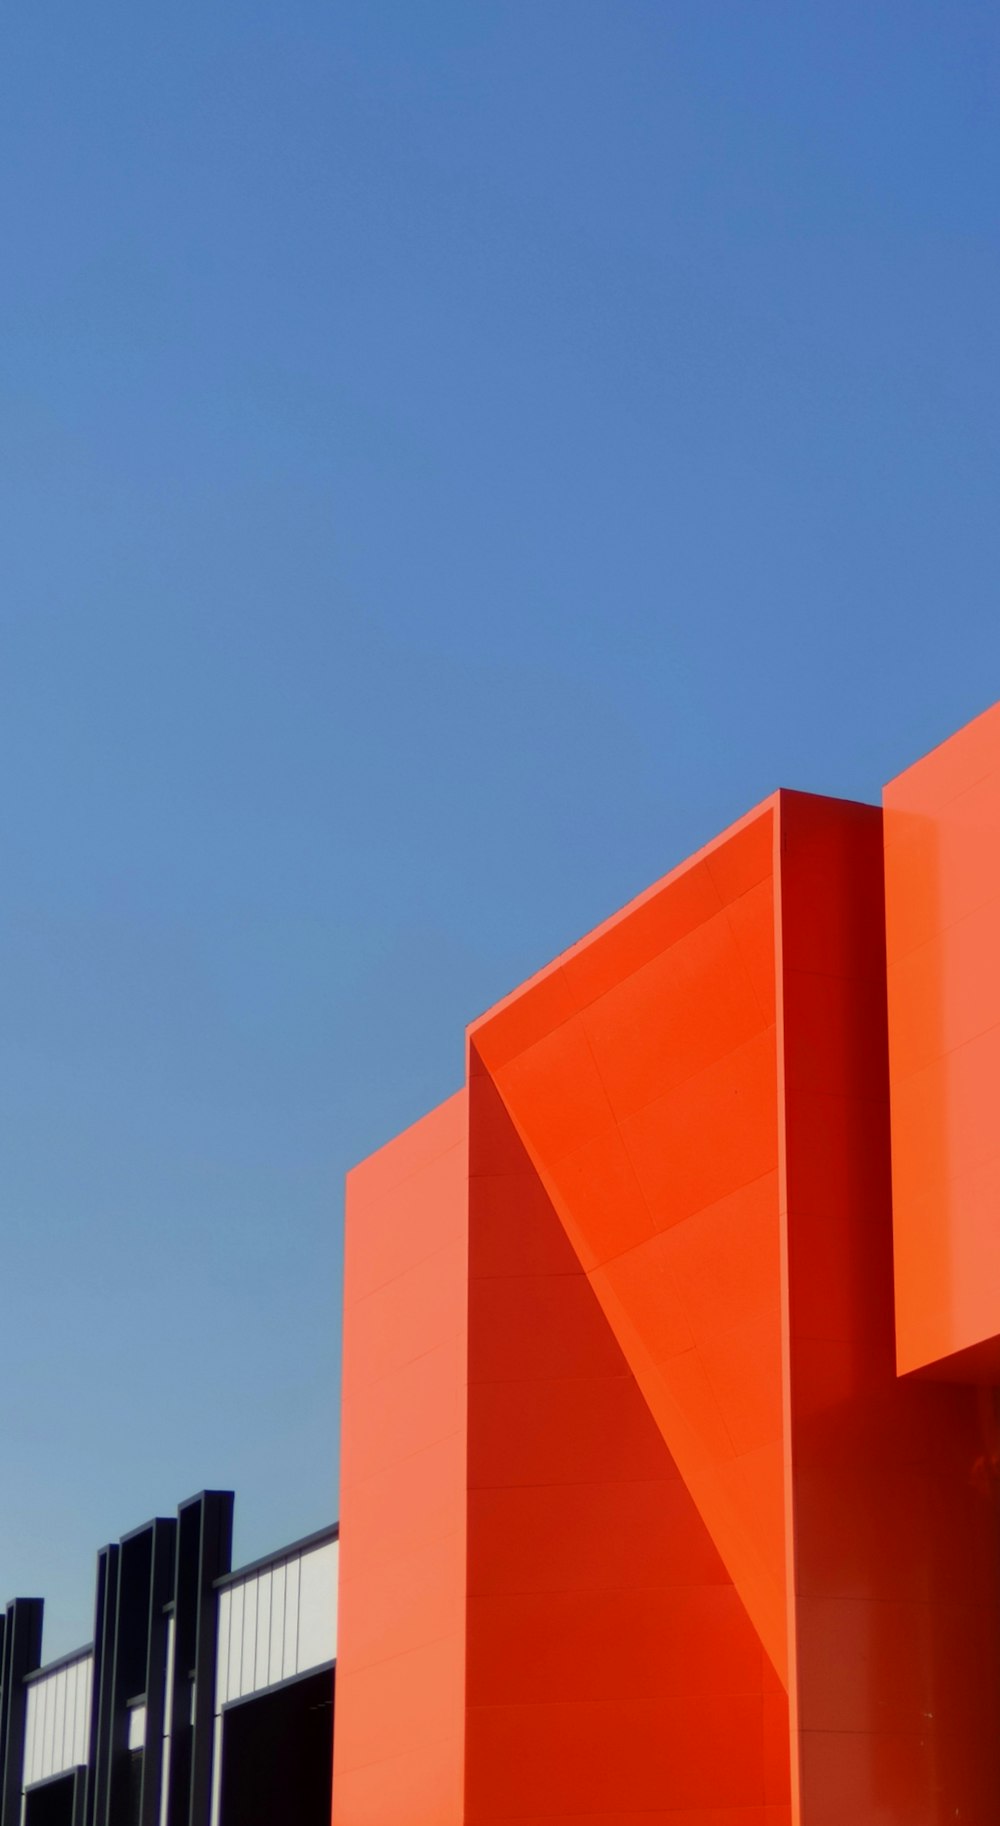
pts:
pixel 455 457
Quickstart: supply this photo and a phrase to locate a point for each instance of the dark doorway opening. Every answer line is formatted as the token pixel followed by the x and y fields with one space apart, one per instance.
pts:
pixel 56 1803
pixel 277 1754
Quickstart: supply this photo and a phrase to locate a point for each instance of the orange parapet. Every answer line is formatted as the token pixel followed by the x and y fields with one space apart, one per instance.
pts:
pixel 942 855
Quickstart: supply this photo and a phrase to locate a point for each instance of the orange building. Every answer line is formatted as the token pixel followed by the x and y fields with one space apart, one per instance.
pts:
pixel 669 1481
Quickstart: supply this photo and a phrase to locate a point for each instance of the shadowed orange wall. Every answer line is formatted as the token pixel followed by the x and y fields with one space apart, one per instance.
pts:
pixel 892 1501
pixel 399 1742
pixel 613 1672
pixel 942 835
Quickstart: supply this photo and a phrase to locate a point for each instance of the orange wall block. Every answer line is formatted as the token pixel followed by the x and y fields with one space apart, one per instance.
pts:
pixel 893 1575
pixel 399 1742
pixel 942 858
pixel 612 1670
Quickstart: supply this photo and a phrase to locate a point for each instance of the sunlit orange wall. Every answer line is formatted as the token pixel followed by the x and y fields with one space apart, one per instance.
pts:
pixel 942 854
pixel 399 1742
pixel 640 1071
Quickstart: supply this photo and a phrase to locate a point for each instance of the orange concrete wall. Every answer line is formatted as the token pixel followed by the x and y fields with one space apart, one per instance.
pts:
pixel 942 852
pixel 893 1577
pixel 613 1673
pixel 399 1741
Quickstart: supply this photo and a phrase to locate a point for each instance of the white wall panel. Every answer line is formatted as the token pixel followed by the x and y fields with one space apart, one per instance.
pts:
pixel 276 1658
pixel 84 1690
pixel 59 1715
pixel 262 1659
pixel 50 1759
pixel 317 1607
pixel 277 1623
pixel 80 1746
pixel 290 1630
pixel 58 1720
pixel 234 1686
pixel 69 1723
pixel 249 1636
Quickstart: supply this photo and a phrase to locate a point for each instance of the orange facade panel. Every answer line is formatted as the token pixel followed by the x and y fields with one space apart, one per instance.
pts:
pixel 611 1664
pixel 942 861
pixel 895 1654
pixel 399 1749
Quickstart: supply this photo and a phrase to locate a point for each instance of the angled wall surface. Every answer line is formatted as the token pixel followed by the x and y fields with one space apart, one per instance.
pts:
pixel 613 1672
pixel 942 851
pixel 701 1557
pixel 641 1072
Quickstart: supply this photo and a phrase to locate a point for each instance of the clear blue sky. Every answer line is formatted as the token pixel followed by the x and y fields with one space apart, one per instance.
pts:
pixel 455 457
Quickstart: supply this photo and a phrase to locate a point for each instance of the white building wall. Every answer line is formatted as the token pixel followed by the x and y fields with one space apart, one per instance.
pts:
pixel 57 1726
pixel 277 1623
